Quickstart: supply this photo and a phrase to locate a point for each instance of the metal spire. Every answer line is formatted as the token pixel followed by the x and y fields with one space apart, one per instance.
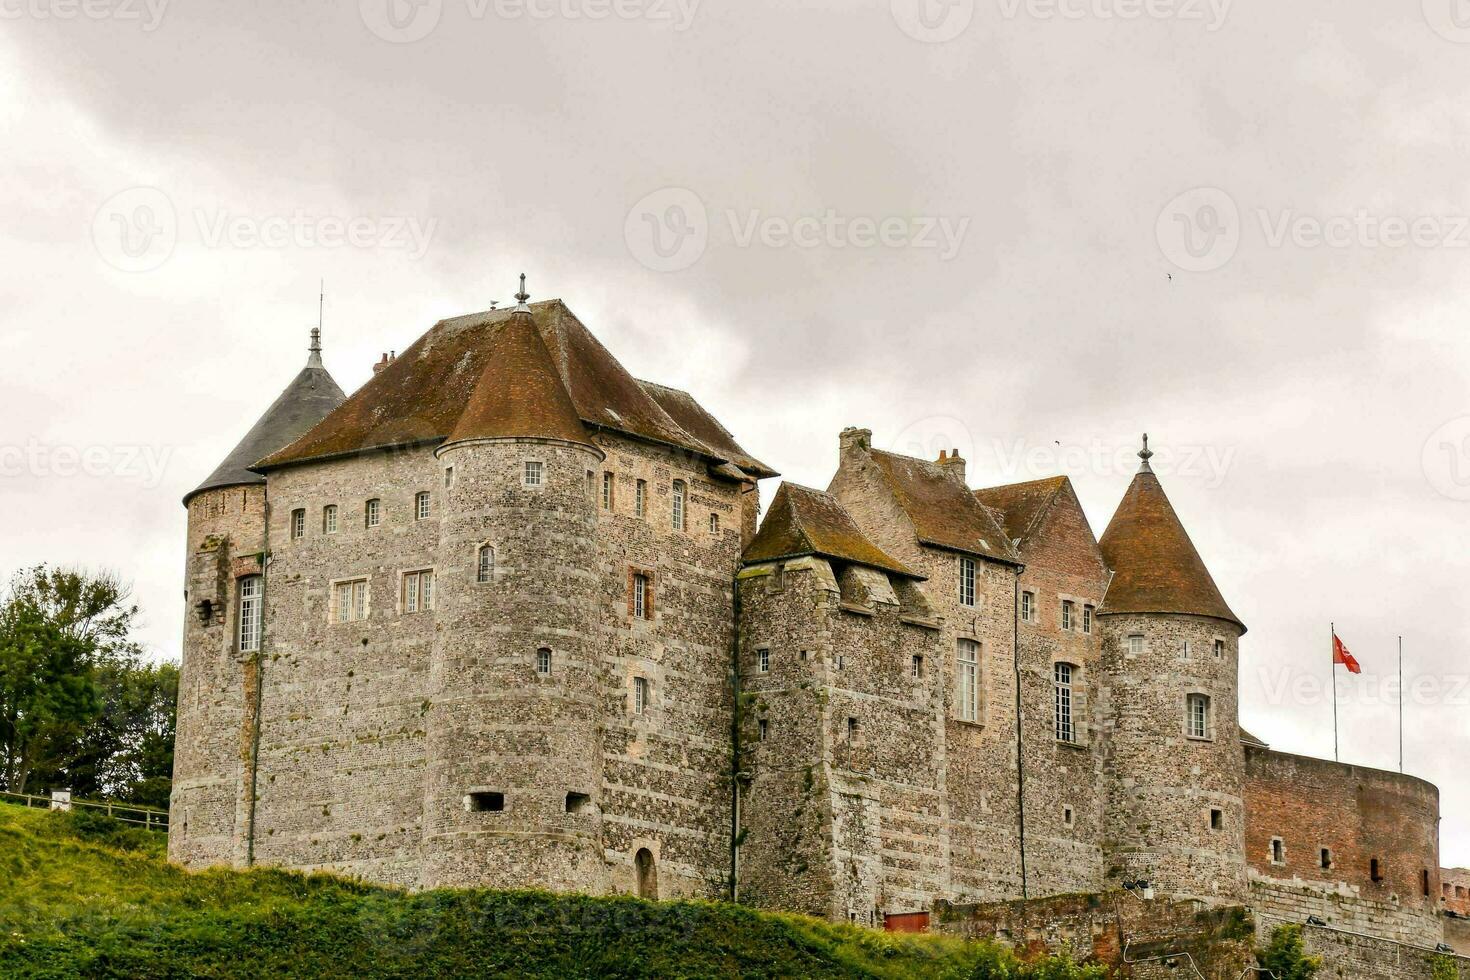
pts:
pixel 1145 454
pixel 315 359
pixel 522 296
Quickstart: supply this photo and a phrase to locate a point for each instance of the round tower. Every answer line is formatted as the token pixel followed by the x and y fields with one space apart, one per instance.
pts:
pixel 1170 679
pixel 514 761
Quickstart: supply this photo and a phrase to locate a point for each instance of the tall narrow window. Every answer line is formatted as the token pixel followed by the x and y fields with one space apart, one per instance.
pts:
pixel 763 728
pixel 678 505
pixel 1374 870
pixel 967 680
pixel 1087 619
pixel 298 523
pixel 251 597
pixel 372 513
pixel 1326 859
pixel 916 666
pixel 1199 716
pixel 1219 649
pixel 421 505
pixel 329 519
pixel 543 660
pixel 448 476
pixel 1278 851
pixel 1028 607
pixel 485 564
pixel 640 498
pixel 532 474
pixel 607 491
pixel 714 524
pixel 642 596
pixel 967 581
pixel 763 660
pixel 349 601
pixel 418 591
pixel 1066 614
pixel 1066 731
pixel 640 695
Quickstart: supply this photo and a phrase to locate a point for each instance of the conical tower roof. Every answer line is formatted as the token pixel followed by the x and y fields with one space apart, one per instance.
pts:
pixel 1155 566
pixel 308 399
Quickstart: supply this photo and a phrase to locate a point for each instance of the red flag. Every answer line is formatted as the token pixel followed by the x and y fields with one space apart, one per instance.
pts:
pixel 1340 655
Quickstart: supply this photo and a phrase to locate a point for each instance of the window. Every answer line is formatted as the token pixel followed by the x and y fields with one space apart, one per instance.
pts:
pixel 1184 650
pixel 485 802
pixel 1135 645
pixel 485 564
pixel 298 523
pixel 714 524
pixel 591 485
pixel 448 476
pixel 762 729
pixel 1087 612
pixel 852 729
pixel 543 660
pixel 1217 819
pixel 678 505
pixel 1066 614
pixel 1219 649
pixel 251 596
pixel 418 591
pixel 642 599
pixel 763 660
pixel 1069 817
pixel 803 656
pixel 1028 607
pixel 967 581
pixel 607 491
pixel 1278 851
pixel 640 498
pixel 1374 871
pixel 640 695
pixel 1325 858
pixel 421 506
pixel 1199 716
pixel 967 680
pixel 841 662
pixel 329 519
pixel 1424 881
pixel 916 666
pixel 1066 731
pixel 578 802
pixel 372 513
pixel 532 475
pixel 349 601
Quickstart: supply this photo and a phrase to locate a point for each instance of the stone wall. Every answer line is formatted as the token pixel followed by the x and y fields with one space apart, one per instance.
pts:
pixel 1346 956
pixel 1297 807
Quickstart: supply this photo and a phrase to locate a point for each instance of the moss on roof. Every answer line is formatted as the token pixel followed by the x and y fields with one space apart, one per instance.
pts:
pixel 1021 505
pixel 803 521
pixel 944 511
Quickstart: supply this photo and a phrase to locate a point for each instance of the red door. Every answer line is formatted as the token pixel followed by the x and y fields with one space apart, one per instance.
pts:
pixel 906 922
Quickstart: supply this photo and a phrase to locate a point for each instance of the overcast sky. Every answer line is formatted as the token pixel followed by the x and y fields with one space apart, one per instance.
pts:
pixel 1029 228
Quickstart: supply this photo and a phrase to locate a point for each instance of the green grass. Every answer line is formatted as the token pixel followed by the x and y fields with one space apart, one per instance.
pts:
pixel 85 896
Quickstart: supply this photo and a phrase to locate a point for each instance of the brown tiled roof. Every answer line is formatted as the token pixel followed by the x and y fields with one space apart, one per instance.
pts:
pixel 803 521
pixel 422 396
pixel 944 511
pixel 1155 566
pixel 692 418
pixel 1250 739
pixel 1021 505
pixel 521 395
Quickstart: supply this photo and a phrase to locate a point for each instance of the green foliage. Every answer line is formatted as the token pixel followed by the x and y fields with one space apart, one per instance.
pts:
pixel 1285 956
pixel 998 963
pixel 84 896
pixel 1444 968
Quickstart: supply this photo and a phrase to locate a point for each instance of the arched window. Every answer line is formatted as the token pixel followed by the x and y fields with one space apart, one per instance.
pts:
pixel 1066 730
pixel 485 564
pixel 647 874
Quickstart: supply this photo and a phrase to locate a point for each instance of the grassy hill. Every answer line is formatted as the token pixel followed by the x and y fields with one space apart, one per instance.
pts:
pixel 85 896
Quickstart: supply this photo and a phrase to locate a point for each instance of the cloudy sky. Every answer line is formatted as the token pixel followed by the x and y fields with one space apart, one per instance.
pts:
pixel 1031 229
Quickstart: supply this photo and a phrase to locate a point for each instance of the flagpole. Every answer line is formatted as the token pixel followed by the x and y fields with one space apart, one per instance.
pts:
pixel 1333 648
pixel 1401 703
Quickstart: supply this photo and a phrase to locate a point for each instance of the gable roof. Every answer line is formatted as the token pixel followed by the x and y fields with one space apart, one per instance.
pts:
pixel 803 521
pixel 1020 506
pixel 943 510
pixel 449 376
pixel 692 418
pixel 309 398
pixel 1156 568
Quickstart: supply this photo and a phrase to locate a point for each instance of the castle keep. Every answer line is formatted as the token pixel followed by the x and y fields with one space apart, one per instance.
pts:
pixel 504 617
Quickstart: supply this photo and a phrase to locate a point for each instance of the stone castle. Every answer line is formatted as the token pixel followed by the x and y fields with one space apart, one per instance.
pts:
pixel 505 617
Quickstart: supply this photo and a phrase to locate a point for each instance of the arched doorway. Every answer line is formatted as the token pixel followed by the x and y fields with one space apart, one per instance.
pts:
pixel 647 874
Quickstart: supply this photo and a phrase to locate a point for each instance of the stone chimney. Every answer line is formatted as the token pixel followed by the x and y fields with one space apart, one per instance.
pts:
pixel 853 439
pixel 953 465
pixel 388 358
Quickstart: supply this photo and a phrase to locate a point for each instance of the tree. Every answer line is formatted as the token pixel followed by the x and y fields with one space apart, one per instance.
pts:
pixel 1286 958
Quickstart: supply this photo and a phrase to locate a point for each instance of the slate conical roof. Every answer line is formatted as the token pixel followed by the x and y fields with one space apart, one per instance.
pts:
pixel 1156 568
pixel 803 521
pixel 308 399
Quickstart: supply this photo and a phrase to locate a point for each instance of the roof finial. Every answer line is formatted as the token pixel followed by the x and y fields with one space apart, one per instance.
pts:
pixel 522 296
pixel 1145 454
pixel 315 359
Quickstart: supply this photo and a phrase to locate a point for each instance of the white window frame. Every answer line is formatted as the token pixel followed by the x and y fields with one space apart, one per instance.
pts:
pixel 421 505
pixel 484 569
pixel 416 590
pixel 533 473
pixel 916 666
pixel 640 498
pixel 543 660
pixel 1063 675
pixel 357 608
pixel 1197 721
pixel 607 490
pixel 967 581
pixel 763 660
pixel 1219 648
pixel 679 503
pixel 298 523
pixel 372 513
pixel 1066 614
pixel 1028 607
pixel 640 695
pixel 967 679
pixel 329 519
pixel 252 608
pixel 1135 645
pixel 714 524
pixel 640 595
pixel 1087 612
